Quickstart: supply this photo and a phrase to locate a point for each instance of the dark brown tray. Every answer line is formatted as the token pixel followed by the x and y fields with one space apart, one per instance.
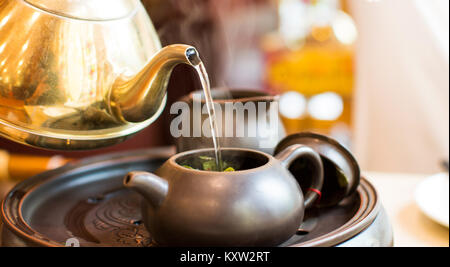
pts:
pixel 86 201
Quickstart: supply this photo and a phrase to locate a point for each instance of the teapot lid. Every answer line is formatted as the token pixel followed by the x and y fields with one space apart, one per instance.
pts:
pixel 341 170
pixel 95 10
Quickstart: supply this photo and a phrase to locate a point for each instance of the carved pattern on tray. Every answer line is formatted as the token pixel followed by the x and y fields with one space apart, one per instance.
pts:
pixel 112 219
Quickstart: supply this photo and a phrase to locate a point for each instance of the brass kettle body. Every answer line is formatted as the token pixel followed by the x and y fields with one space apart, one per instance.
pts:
pixel 81 74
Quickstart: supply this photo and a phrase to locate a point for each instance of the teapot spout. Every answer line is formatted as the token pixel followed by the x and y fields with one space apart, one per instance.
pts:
pixel 142 97
pixel 153 188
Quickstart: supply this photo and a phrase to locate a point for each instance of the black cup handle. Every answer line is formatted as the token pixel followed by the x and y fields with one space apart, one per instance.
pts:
pixel 294 152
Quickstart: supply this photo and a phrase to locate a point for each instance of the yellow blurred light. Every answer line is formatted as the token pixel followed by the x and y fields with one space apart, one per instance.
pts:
pixel 321 34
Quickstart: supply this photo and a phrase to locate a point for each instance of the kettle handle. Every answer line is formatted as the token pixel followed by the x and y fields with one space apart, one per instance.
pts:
pixel 294 152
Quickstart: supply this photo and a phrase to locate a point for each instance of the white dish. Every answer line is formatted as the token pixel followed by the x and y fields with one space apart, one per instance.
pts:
pixel 432 197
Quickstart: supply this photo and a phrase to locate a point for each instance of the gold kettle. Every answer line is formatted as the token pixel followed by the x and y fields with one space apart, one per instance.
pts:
pixel 81 74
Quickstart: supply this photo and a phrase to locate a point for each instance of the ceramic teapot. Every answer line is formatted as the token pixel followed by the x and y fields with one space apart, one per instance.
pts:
pixel 81 74
pixel 261 204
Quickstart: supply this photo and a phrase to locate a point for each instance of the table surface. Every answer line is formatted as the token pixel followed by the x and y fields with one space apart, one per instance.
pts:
pixel 411 227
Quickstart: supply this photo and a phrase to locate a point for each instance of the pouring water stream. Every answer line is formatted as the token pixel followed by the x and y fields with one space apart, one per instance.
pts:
pixel 204 79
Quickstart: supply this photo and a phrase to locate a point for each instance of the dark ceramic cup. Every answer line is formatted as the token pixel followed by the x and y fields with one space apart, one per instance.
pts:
pixel 263 140
pixel 259 205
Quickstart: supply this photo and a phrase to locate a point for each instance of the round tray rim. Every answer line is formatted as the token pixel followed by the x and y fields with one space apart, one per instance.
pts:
pixel 11 206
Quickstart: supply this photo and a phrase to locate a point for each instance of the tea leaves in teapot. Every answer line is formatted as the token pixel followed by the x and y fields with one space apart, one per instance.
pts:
pixel 205 163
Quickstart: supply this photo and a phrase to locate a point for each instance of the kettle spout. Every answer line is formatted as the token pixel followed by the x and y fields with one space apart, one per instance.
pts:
pixel 153 188
pixel 143 96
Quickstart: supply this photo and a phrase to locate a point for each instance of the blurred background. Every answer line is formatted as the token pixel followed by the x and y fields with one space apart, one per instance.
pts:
pixel 374 74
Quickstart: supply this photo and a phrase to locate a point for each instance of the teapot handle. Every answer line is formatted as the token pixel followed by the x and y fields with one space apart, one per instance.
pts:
pixel 294 152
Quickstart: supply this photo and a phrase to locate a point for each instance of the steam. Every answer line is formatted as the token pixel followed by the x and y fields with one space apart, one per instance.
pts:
pixel 225 32
pixel 243 23
pixel 193 22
